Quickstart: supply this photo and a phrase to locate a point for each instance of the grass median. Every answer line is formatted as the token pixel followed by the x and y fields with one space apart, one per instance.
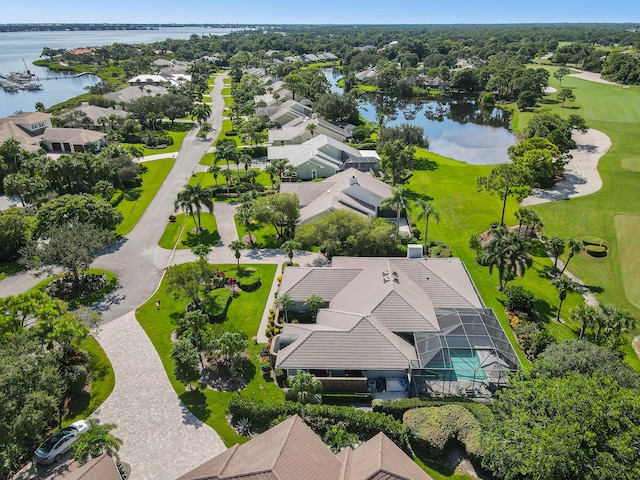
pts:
pixel 244 316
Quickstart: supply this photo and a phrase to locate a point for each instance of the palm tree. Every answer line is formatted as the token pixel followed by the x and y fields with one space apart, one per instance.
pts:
pixel 575 246
pixel 507 252
pixel 284 303
pixel 252 175
pixel 396 202
pixel 201 251
pixel 245 215
pixel 556 246
pixel 194 197
pixel 228 176
pixel 236 246
pixel 586 316
pixel 103 121
pixel 201 112
pixel 96 441
pixel 314 302
pixel 246 161
pixel 231 345
pixel 215 171
pixel 564 285
pixel 614 320
pixel 303 388
pixel 427 210
pixel 226 150
pixel 311 128
pixel 290 247
pixel 272 171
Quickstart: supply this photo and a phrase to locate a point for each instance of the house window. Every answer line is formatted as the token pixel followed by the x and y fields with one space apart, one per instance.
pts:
pixel 314 173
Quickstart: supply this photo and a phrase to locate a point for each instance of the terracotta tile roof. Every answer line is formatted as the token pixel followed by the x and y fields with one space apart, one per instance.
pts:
pixel 288 451
pixel 380 459
pixel 292 451
pixel 99 468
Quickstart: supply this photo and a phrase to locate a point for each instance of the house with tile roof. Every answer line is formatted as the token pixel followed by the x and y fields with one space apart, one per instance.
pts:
pixel 408 326
pixel 350 189
pixel 297 131
pixel 34 131
pixel 102 467
pixel 323 156
pixel 292 451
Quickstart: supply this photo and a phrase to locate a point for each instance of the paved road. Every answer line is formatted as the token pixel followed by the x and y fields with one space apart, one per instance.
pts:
pixel 138 261
pixel 152 422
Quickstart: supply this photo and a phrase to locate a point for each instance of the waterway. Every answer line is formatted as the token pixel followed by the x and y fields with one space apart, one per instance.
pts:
pixel 455 128
pixel 16 46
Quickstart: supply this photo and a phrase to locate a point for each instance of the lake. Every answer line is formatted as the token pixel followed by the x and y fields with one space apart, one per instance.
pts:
pixel 456 129
pixel 16 46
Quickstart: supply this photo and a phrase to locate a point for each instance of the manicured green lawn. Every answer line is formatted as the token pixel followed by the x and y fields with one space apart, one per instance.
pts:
pixel 136 200
pixel 451 186
pixel 227 126
pixel 439 472
pixel 244 315
pixel 226 91
pixel 206 179
pixel 627 229
pixel 177 132
pixel 615 111
pixel 228 101
pixel 9 268
pixel 188 237
pixel 265 234
pixel 227 81
pixel 102 382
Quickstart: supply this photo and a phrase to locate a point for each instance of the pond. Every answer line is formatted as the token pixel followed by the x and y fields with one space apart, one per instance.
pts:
pixel 457 129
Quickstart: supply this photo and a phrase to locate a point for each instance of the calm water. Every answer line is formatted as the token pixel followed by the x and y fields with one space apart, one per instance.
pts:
pixel 14 46
pixel 459 130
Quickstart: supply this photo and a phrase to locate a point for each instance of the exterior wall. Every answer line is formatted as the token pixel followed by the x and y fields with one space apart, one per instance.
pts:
pixel 304 171
pixel 364 195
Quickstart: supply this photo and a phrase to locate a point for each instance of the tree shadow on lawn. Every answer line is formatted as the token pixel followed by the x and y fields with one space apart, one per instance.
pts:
pixel 196 411
pixel 423 163
pixel 204 237
pixel 595 288
pixel 133 194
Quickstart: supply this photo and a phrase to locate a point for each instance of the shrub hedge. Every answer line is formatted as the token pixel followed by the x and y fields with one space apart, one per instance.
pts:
pixel 320 417
pixel 397 408
pixel 519 299
pixel 250 283
pixel 216 303
pixel 589 240
pixel 433 428
pixel 596 250
pixel 116 198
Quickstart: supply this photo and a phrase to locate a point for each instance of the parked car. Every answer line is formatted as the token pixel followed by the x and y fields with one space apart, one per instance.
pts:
pixel 57 444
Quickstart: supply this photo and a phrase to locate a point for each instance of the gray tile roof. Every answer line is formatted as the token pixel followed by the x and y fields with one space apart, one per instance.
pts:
pixel 300 282
pixel 370 300
pixel 341 340
pixel 74 136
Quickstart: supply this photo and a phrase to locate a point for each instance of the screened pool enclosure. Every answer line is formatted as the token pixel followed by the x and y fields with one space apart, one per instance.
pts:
pixel 469 356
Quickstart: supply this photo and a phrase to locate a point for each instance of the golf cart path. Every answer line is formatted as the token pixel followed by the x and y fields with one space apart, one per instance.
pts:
pixel 162 439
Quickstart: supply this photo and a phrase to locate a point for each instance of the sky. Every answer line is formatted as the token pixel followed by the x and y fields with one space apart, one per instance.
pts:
pixel 320 12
